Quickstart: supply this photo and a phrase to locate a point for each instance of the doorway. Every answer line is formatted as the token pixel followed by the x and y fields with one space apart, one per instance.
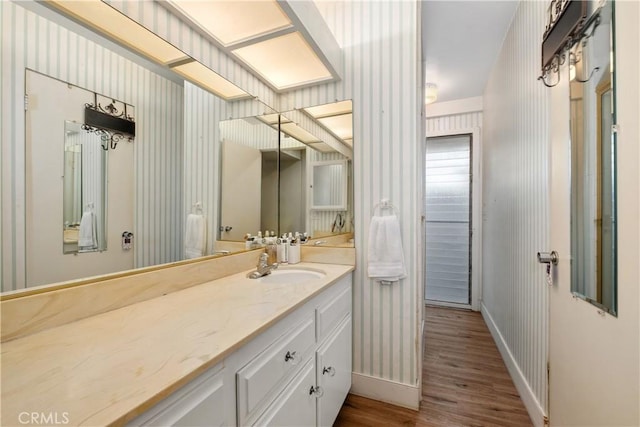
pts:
pixel 452 252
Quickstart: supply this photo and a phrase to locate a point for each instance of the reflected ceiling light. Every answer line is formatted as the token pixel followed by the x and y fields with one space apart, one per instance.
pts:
pixel 285 61
pixel 115 25
pixel 272 119
pixel 332 109
pixel 430 93
pixel 295 131
pixel 323 147
pixel 231 22
pixel 341 126
pixel 209 80
pixel 119 27
pixel 337 118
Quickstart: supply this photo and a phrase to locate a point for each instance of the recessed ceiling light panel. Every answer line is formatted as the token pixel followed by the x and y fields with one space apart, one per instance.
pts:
pixel 120 27
pixel 332 109
pixel 209 80
pixel 341 125
pixel 232 22
pixel 284 61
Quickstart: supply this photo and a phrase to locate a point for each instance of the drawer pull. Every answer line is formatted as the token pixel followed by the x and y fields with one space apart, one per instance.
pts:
pixel 291 355
pixel 330 370
pixel 317 391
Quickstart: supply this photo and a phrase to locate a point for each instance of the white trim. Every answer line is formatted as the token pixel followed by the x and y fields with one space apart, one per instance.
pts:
pixel 535 410
pixel 459 106
pixel 405 395
pixel 476 206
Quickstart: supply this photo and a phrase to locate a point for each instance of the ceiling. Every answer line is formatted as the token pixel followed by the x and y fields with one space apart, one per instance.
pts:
pixel 460 43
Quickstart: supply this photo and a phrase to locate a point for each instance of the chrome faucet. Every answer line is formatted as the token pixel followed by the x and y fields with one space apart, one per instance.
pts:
pixel 263 268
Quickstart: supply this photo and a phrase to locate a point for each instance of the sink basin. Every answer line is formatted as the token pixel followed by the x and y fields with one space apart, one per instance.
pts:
pixel 292 275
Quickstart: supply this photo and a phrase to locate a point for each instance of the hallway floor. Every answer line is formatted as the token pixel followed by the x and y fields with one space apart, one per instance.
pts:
pixel 464 381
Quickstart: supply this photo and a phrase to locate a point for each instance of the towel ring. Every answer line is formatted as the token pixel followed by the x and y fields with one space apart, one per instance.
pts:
pixel 383 205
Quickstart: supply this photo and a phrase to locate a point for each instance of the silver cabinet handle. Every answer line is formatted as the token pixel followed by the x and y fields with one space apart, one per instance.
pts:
pixel 291 355
pixel 329 370
pixel 317 391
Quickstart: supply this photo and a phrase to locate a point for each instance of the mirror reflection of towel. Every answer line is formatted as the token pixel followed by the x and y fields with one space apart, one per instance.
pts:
pixel 195 240
pixel 87 238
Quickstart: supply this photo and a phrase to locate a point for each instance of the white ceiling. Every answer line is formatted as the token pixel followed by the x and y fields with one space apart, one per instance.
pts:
pixel 460 43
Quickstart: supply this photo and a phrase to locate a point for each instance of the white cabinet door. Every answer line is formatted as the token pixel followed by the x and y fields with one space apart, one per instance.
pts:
pixel 296 405
pixel 333 370
pixel 199 403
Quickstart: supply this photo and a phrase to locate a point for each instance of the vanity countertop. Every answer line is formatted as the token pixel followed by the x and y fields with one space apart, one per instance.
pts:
pixel 111 367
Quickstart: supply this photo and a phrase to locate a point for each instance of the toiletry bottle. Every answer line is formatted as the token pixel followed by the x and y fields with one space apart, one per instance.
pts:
pixel 272 251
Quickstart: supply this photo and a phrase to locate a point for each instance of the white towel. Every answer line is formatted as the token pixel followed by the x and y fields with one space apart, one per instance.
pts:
pixel 195 240
pixel 386 257
pixel 88 234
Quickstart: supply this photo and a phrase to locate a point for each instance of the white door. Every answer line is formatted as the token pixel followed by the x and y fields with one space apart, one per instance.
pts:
pixel 240 193
pixel 51 103
pixel 594 357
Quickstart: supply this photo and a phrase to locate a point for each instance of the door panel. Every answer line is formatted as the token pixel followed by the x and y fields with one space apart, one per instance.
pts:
pixel 448 216
pixel 241 185
pixel 593 356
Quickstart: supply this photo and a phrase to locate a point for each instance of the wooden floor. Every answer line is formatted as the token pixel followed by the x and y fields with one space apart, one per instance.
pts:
pixel 464 381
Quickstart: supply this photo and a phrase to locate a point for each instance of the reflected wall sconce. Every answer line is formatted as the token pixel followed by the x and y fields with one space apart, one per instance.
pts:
pixel 430 93
pixel 113 121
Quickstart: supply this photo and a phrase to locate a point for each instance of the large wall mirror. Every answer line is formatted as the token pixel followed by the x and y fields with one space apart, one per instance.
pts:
pixel 187 159
pixel 593 162
pixel 282 176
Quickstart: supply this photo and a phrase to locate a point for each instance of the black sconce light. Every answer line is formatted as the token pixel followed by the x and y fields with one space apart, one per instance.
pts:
pixel 112 123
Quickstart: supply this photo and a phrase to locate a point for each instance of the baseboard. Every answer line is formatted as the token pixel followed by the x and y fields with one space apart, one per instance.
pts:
pixel 405 395
pixel 536 413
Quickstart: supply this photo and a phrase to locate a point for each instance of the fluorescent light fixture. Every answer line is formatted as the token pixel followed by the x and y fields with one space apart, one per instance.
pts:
pixel 336 117
pixel 285 61
pixel 323 147
pixel 298 133
pixel 119 27
pixel 232 22
pixel 333 109
pixel 209 80
pixel 430 93
pixel 114 24
pixel 341 126
pixel 272 119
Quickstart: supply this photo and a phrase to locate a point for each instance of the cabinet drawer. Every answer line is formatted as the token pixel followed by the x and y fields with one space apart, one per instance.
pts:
pixel 199 403
pixel 296 405
pixel 258 381
pixel 329 314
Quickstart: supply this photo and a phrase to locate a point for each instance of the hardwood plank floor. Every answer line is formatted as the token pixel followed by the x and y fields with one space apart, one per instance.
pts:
pixel 464 381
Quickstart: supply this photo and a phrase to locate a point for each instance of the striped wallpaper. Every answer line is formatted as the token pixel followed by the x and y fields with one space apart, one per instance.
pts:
pixel 382 76
pixel 34 42
pixel 454 122
pixel 516 199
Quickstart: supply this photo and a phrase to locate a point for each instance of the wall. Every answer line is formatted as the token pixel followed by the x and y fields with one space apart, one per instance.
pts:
pixel 35 42
pixel 516 205
pixel 381 42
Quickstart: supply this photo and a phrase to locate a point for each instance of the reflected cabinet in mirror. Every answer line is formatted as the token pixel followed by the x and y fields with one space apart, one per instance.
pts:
pixel 593 162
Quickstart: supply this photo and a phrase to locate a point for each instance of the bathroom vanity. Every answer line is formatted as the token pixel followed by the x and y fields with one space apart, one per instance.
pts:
pixel 230 351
